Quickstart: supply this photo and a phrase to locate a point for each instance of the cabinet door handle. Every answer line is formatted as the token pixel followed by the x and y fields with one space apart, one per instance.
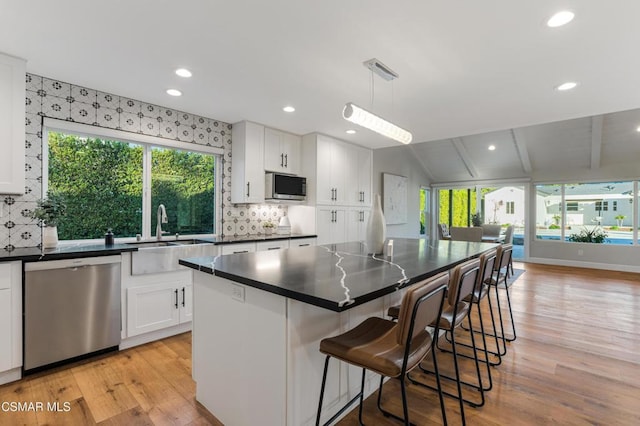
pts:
pixel 176 292
pixel 248 188
pixel 273 248
pixel 183 297
pixel 286 160
pixel 304 245
pixel 281 160
pixel 332 196
pixel 241 251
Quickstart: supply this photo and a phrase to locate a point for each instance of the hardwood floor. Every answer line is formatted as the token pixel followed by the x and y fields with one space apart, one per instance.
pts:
pixel 145 385
pixel 575 362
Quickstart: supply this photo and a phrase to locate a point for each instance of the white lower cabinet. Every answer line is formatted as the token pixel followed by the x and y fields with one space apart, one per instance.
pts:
pixel 238 248
pixel 6 342
pixel 331 225
pixel 186 304
pixel 357 224
pixel 302 242
pixel 272 245
pixel 154 307
pixel 10 321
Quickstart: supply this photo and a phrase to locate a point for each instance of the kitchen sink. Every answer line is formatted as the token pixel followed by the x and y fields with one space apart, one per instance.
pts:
pixel 186 242
pixel 142 244
pixel 162 256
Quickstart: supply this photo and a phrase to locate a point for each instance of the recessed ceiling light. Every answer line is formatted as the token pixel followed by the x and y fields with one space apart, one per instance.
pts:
pixel 638 129
pixel 567 86
pixel 288 109
pixel 183 72
pixel 560 19
pixel 492 147
pixel 174 92
pixel 351 132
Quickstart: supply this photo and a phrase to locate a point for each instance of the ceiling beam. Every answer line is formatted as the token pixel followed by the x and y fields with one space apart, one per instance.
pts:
pixel 424 167
pixel 521 146
pixel 465 157
pixel 596 140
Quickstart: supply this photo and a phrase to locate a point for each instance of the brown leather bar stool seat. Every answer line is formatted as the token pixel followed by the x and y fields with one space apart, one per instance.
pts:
pixel 389 348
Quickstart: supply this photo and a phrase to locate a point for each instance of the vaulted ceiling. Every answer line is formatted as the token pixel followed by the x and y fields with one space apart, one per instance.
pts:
pixel 582 146
pixel 466 68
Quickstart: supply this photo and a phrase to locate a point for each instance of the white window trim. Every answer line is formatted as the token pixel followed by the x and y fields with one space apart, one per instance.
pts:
pixel 147 142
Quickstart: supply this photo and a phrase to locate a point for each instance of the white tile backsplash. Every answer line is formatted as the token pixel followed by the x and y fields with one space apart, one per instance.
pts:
pixel 82 112
pixel 56 88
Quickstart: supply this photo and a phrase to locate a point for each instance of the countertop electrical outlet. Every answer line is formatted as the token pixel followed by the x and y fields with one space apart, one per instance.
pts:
pixel 237 293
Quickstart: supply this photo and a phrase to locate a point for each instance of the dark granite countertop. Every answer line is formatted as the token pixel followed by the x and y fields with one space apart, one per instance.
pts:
pixel 66 251
pixel 71 251
pixel 254 238
pixel 339 276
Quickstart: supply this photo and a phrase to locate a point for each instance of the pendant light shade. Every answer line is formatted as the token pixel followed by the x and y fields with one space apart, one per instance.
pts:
pixel 364 118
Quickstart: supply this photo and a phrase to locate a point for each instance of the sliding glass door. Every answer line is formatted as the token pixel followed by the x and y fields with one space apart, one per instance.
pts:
pixel 500 205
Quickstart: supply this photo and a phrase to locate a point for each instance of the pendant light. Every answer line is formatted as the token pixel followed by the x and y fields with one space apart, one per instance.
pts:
pixel 371 121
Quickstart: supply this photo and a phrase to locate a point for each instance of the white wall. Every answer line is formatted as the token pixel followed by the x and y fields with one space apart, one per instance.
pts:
pixel 400 161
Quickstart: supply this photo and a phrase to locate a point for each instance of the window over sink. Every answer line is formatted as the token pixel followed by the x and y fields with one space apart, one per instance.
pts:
pixel 112 182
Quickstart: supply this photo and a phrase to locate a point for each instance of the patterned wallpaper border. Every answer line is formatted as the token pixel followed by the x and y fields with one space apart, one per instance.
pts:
pixel 65 101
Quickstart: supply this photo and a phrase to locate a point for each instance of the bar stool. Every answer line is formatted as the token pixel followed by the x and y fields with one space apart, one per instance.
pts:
pixel 389 348
pixel 480 292
pixel 462 283
pixel 501 273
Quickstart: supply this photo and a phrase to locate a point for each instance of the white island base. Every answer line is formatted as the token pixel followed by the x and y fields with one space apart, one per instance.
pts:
pixel 256 359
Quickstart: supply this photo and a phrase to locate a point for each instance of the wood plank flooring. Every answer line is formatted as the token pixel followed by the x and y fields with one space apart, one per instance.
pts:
pixel 575 362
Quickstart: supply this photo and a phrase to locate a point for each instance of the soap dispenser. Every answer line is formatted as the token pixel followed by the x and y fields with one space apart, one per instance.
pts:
pixel 108 238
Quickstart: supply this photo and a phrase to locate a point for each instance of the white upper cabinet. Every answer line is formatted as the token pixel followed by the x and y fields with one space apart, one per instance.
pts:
pixel 337 172
pixel 12 124
pixel 332 168
pixel 358 180
pixel 281 152
pixel 247 163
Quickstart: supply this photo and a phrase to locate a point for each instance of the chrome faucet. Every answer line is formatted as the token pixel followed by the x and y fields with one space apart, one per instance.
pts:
pixel 162 218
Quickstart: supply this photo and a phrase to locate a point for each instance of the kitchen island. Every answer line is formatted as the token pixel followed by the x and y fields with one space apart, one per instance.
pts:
pixel 259 318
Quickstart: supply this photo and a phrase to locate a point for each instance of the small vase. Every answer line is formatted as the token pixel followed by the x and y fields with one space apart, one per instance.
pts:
pixel 376 229
pixel 50 237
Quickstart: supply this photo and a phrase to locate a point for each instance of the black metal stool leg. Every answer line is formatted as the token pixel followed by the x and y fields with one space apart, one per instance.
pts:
pixel 324 381
pixel 364 370
pixel 513 324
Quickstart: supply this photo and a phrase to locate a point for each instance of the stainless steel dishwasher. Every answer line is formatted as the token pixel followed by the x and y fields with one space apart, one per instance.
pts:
pixel 71 309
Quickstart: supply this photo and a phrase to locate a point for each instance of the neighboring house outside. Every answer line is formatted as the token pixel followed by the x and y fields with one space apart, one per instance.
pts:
pixel 584 205
pixel 505 206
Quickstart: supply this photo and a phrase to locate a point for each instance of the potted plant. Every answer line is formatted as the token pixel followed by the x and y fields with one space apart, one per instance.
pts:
pixel 619 219
pixel 476 219
pixel 586 235
pixel 268 227
pixel 49 211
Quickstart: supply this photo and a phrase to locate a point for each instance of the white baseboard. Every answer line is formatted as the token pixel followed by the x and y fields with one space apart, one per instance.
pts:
pixel 10 375
pixel 589 265
pixel 155 335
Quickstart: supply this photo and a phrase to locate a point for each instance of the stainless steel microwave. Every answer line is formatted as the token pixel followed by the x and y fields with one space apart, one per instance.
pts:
pixel 285 187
